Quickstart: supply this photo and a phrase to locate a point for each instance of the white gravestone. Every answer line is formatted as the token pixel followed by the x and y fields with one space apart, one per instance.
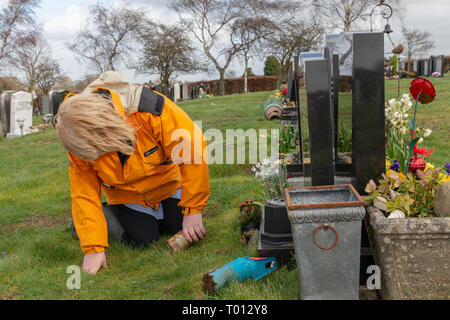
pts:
pixel 176 92
pixel 21 115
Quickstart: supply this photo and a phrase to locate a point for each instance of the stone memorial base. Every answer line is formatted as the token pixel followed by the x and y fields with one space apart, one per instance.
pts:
pixel 413 255
pixel 15 135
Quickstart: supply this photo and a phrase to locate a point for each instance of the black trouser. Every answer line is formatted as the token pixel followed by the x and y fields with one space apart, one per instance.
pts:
pixel 138 228
pixel 141 229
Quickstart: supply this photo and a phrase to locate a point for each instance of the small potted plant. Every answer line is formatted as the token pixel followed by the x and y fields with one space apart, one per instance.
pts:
pixel 250 215
pixel 273 177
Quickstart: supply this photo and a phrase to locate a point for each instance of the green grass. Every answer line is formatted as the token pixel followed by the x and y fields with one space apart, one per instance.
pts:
pixel 35 210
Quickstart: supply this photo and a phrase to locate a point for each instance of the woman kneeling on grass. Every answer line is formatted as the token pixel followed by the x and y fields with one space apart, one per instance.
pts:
pixel 144 153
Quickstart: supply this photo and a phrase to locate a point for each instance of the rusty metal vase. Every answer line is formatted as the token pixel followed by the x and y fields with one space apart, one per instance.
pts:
pixel 326 228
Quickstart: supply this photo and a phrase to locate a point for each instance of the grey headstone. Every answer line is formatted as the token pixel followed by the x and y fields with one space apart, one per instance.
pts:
pixel 185 91
pixel 44 104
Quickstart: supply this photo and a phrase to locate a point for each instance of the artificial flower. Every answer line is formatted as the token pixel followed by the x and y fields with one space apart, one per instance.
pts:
pixel 423 90
pixel 422 151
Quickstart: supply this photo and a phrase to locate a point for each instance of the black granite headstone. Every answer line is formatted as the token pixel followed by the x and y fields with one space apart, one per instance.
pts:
pixel 368 154
pixel 7 113
pixel 336 102
pixel 420 67
pixel 318 88
pixel 290 83
pixel 329 58
pixel 57 99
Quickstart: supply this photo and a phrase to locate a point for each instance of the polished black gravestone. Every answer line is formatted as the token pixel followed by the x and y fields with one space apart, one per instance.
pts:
pixel 318 88
pixel 420 67
pixel 57 98
pixel 368 116
pixel 7 113
pixel 335 91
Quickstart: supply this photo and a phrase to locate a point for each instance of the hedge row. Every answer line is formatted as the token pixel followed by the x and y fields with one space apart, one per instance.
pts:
pixel 234 86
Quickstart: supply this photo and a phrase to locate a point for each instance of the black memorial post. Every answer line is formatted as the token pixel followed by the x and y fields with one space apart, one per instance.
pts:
pixel 368 154
pixel 318 87
pixel 336 103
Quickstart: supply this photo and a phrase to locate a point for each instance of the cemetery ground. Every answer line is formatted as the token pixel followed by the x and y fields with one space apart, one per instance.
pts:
pixel 36 245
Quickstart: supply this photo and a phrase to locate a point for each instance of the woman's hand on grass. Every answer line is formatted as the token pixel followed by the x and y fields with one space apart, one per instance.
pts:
pixel 93 262
pixel 193 229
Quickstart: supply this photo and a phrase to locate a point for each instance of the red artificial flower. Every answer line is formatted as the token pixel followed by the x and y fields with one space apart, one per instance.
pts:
pixel 424 88
pixel 283 93
pixel 422 151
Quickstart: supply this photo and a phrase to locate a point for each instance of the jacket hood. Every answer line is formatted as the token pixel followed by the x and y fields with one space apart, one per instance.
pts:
pixel 128 93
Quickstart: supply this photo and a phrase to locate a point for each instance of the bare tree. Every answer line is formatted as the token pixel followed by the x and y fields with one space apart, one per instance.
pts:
pixel 342 14
pixel 166 51
pixel 295 34
pixel 249 32
pixel 16 22
pixel 48 74
pixel 27 56
pixel 107 37
pixel 416 42
pixel 80 85
pixel 210 22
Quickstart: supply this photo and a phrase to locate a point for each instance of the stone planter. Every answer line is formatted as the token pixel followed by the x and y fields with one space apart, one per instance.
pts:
pixel 413 255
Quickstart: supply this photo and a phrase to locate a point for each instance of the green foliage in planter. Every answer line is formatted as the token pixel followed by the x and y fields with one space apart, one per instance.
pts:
pixel 413 194
pixel 288 138
pixel 344 138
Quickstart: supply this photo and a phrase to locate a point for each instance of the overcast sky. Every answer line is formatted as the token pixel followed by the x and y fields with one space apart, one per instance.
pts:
pixel 62 18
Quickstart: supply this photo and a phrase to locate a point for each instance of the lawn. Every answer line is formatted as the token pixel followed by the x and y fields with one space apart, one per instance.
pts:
pixel 35 213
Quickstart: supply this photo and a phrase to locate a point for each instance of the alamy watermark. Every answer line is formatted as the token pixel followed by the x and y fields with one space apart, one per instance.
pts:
pixel 74 281
pixel 374 281
pixel 213 147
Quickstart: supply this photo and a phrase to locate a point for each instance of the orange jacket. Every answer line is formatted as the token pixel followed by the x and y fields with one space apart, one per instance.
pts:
pixel 146 177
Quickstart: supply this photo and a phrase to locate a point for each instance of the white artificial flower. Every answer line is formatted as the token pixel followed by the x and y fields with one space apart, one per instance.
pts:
pixel 403 130
pixel 420 141
pixel 427 133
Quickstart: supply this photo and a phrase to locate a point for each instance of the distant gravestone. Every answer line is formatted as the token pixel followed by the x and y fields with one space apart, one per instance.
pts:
pixel 5 100
pixel 176 92
pixel 440 61
pixel 420 67
pixel 57 99
pixel 185 91
pixel 21 114
pixel 44 104
pixel 426 67
pixel 415 66
pixel 172 94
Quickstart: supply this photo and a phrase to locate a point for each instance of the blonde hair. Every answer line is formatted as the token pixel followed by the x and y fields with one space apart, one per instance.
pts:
pixel 88 127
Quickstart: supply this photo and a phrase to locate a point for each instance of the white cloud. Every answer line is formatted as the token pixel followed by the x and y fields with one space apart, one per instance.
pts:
pixel 66 25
